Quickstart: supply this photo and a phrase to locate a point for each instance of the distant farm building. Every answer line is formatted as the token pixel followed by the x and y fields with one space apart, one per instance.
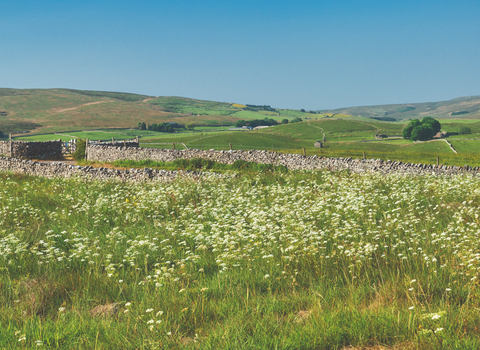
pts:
pixel 318 144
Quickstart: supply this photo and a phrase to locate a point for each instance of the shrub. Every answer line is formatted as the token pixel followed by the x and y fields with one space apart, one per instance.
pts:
pixel 465 130
pixel 79 153
pixel 285 121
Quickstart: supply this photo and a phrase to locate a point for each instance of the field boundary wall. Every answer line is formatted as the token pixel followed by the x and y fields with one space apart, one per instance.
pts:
pixel 32 149
pixel 291 161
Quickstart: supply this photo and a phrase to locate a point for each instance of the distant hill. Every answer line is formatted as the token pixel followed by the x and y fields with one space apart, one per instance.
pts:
pixel 467 107
pixel 52 110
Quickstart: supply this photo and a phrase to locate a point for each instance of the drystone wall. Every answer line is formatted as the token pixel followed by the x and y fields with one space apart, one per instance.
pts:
pixel 32 149
pixel 62 170
pixel 291 161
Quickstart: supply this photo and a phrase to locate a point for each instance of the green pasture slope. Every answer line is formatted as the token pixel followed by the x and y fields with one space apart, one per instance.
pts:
pixel 59 110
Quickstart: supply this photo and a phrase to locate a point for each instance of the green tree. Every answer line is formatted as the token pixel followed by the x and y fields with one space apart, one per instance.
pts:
pixel 1 134
pixel 407 131
pixel 422 132
pixel 435 124
pixel 302 110
pixel 79 153
pixel 143 126
pixel 190 126
pixel 285 121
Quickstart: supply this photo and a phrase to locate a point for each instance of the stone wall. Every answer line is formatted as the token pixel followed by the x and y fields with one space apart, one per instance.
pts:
pixel 5 148
pixel 32 149
pixel 291 161
pixel 62 170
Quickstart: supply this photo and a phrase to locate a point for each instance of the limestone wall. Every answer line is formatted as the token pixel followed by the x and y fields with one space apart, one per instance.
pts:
pixel 291 161
pixel 32 149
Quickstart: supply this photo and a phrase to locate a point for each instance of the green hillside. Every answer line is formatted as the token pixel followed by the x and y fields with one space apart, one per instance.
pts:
pixel 54 110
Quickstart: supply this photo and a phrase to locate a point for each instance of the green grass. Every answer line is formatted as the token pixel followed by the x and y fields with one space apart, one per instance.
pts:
pixel 301 260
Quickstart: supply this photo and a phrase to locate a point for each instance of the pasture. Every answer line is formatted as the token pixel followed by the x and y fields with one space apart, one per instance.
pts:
pixel 297 260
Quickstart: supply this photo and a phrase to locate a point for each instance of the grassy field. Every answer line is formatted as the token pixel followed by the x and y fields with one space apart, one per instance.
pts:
pixel 302 260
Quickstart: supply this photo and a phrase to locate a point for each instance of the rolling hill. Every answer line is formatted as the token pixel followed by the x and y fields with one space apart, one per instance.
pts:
pixel 460 107
pixel 53 110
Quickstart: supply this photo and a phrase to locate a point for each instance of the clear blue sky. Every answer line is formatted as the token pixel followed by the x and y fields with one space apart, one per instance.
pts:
pixel 287 54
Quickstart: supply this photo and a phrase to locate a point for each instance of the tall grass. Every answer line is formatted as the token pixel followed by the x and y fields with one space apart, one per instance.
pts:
pixel 302 260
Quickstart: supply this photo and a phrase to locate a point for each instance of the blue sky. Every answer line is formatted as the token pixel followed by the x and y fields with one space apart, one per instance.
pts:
pixel 287 54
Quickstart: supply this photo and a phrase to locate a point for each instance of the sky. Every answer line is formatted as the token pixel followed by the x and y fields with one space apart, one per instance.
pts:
pixel 286 54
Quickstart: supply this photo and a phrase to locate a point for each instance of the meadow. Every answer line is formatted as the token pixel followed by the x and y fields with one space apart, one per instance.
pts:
pixel 269 260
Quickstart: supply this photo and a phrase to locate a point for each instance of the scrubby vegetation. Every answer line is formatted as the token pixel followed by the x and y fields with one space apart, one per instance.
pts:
pixel 256 122
pixel 303 260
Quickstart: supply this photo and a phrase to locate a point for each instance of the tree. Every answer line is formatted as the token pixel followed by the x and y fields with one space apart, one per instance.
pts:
pixel 302 110
pixel 422 132
pixel 285 121
pixel 407 131
pixel 1 134
pixel 435 124
pixel 143 126
pixel 79 153
pixel 190 126
pixel 296 120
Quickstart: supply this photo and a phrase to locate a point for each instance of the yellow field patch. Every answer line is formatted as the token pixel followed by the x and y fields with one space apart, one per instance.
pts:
pixel 238 105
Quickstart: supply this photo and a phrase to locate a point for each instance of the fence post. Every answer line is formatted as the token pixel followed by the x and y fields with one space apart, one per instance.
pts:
pixel 304 153
pixel 11 146
pixel 438 160
pixel 86 149
pixel 125 143
pixel 137 138
pixel 230 146
pixel 173 144
pixel 364 156
pixel 112 140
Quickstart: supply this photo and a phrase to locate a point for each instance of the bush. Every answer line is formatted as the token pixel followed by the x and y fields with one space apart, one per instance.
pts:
pixel 190 126
pixel 465 130
pixel 1 134
pixel 284 121
pixel 79 153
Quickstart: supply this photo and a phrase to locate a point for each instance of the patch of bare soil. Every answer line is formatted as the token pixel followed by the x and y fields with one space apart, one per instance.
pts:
pixel 74 108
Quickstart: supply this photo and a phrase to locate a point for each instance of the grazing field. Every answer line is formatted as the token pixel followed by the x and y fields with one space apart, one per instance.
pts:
pixel 297 260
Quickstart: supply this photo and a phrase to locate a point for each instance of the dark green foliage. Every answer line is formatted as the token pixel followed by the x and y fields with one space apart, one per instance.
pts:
pixel 143 126
pixel 435 124
pixel 407 132
pixel 79 154
pixel 302 110
pixel 421 130
pixel 1 134
pixel 190 126
pixel 285 121
pixel 384 119
pixel 259 108
pixel 163 127
pixel 465 130
pixel 460 113
pixel 296 120
pixel 256 122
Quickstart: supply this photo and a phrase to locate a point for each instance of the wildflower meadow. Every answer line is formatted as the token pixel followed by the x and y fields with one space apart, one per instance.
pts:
pixel 291 260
